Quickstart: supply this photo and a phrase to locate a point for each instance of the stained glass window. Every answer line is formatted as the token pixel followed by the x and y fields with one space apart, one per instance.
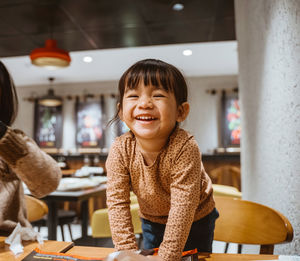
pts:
pixel 231 120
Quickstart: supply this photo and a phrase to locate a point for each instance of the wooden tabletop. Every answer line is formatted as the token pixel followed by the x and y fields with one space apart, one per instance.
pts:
pixel 83 194
pixel 234 257
pixel 51 246
pixel 68 172
pixel 101 252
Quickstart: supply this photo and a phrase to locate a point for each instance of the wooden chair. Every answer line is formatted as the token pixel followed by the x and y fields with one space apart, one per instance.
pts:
pixel 246 222
pixel 227 191
pixel 227 175
pixel 36 209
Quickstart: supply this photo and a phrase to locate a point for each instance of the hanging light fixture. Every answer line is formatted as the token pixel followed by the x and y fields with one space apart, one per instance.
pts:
pixel 50 56
pixel 50 100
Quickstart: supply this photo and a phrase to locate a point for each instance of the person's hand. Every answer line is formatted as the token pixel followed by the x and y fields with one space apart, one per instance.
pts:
pixel 154 258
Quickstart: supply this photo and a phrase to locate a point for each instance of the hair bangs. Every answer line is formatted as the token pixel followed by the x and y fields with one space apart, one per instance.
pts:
pixel 149 75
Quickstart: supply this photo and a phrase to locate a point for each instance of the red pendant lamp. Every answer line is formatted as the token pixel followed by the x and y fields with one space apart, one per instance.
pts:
pixel 50 56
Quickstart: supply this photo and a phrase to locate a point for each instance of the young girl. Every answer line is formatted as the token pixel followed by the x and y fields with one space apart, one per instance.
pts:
pixel 161 164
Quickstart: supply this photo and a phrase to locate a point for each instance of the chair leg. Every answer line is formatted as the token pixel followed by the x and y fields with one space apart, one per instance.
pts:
pixel 226 248
pixel 239 249
pixel 97 242
pixel 62 232
pixel 70 231
pixel 140 240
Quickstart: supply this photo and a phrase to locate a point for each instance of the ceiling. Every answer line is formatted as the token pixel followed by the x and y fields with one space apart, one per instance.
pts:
pixel 114 26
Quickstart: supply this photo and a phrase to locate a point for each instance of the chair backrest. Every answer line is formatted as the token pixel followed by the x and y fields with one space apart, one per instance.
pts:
pixel 136 220
pixel 100 223
pixel 226 191
pixel 246 222
pixel 133 198
pixel 227 175
pixel 36 208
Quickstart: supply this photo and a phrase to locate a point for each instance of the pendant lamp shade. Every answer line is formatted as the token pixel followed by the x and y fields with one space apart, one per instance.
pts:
pixel 50 56
pixel 50 100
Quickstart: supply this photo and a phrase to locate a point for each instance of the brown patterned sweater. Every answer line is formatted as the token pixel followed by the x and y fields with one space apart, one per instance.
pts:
pixel 175 190
pixel 21 159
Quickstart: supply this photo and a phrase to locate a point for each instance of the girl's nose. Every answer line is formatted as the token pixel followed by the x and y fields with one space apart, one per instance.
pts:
pixel 145 102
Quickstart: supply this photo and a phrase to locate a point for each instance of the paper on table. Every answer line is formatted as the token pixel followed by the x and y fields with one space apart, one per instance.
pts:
pixel 285 258
pixel 69 184
pixel 129 256
pixel 288 258
pixel 21 233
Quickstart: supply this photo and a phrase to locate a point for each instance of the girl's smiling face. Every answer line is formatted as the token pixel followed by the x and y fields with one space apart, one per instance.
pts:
pixel 150 112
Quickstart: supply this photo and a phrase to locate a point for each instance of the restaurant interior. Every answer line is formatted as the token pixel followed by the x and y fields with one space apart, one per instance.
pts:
pixel 239 62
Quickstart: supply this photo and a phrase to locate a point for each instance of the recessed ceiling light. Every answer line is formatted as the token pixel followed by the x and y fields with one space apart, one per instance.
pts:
pixel 87 59
pixel 187 52
pixel 178 7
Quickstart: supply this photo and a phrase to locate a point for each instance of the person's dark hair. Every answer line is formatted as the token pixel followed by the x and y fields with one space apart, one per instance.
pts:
pixel 8 97
pixel 156 73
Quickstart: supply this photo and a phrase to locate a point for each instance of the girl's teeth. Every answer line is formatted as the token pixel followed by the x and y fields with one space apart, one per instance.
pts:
pixel 145 118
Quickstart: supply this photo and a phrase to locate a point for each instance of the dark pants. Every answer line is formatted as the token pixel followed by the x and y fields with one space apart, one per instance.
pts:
pixel 201 234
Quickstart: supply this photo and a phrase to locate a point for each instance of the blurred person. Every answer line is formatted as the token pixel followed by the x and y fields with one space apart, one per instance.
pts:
pixel 21 160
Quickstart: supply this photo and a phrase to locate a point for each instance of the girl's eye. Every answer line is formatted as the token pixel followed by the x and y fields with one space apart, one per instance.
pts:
pixel 132 96
pixel 159 95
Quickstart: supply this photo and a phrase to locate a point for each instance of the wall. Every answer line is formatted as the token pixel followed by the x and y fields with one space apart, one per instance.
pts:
pixel 202 121
pixel 268 35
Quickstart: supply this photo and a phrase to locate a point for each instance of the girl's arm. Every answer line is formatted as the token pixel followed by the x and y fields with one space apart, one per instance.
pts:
pixel 34 167
pixel 185 195
pixel 118 200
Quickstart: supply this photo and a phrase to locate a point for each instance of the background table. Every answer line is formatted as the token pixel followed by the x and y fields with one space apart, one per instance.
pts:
pixel 82 196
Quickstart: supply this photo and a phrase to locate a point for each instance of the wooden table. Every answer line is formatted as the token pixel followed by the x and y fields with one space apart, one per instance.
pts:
pixel 101 252
pixel 51 246
pixel 234 257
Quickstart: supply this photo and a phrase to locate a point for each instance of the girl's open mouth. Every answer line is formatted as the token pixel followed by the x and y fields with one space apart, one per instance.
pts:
pixel 145 118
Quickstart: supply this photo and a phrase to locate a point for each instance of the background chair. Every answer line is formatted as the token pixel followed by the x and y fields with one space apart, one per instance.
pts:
pixel 100 223
pixel 226 191
pixel 227 175
pixel 65 217
pixel 246 222
pixel 36 209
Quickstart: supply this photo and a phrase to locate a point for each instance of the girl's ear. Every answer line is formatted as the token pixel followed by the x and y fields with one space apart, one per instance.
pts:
pixel 183 111
pixel 120 112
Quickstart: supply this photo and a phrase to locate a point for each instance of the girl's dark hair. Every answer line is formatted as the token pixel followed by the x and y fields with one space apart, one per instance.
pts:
pixel 8 97
pixel 156 73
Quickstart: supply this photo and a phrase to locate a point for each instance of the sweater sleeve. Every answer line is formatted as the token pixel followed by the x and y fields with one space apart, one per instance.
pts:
pixel 185 194
pixel 118 200
pixel 35 168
